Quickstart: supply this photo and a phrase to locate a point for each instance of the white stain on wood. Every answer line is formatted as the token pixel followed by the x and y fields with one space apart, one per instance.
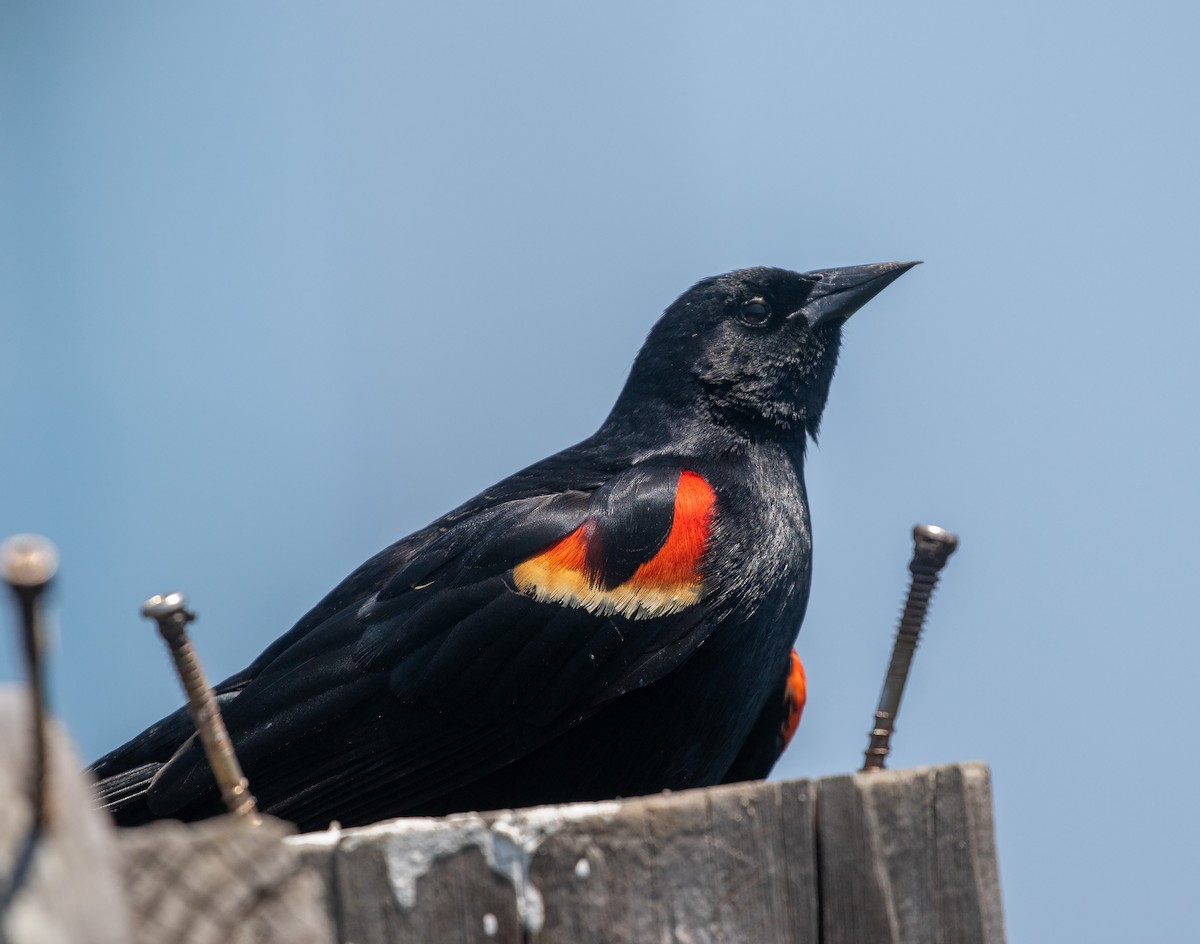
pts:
pixel 411 847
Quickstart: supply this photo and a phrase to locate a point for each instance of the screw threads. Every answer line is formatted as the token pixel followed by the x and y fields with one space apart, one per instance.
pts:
pixel 912 618
pixel 932 548
pixel 172 618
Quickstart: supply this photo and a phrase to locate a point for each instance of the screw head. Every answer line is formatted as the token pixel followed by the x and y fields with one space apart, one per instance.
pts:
pixel 934 543
pixel 163 605
pixel 28 560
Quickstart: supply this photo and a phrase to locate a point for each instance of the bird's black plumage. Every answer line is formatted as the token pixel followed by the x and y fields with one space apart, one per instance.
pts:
pixel 607 622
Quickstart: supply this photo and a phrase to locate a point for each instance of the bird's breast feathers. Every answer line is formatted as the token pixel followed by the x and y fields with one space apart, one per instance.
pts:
pixel 571 571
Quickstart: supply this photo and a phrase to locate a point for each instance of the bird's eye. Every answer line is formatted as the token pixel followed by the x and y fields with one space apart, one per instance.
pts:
pixel 755 312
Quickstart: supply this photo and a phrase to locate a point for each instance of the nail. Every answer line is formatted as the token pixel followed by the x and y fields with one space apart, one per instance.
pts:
pixel 30 562
pixel 171 614
pixel 932 548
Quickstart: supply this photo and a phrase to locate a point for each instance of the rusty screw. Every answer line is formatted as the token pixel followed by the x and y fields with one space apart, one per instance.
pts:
pixel 30 562
pixel 932 548
pixel 170 612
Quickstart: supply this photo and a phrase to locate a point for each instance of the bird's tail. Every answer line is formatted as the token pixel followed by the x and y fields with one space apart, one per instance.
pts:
pixel 124 794
pixel 123 776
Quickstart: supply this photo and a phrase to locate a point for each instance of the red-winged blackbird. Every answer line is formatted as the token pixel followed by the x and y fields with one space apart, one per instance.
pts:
pixel 607 622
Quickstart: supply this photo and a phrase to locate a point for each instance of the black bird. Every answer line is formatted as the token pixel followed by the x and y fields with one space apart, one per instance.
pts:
pixel 608 622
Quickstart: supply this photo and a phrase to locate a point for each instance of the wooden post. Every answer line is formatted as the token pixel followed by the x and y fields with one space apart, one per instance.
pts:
pixel 903 856
pixel 59 881
pixel 221 881
pixel 900 857
pixel 909 855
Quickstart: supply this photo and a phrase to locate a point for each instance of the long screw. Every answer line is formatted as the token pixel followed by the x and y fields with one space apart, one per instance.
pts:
pixel 932 548
pixel 30 562
pixel 170 612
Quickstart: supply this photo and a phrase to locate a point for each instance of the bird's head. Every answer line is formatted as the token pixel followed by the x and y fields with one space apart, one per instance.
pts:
pixel 755 348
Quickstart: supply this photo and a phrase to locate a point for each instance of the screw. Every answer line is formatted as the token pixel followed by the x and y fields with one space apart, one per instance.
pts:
pixel 932 548
pixel 30 562
pixel 170 612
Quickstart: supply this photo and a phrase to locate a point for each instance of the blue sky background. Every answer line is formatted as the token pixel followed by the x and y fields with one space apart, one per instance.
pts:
pixel 280 283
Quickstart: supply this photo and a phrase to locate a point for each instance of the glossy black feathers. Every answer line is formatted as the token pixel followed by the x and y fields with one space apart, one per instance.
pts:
pixel 605 622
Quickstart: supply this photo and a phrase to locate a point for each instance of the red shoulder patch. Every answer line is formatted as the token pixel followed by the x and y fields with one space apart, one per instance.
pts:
pixel 795 695
pixel 667 583
pixel 678 560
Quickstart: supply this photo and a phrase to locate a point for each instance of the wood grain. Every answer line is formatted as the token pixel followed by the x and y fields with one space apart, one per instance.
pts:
pixel 60 885
pixel 221 880
pixel 894 857
pixel 729 864
pixel 909 856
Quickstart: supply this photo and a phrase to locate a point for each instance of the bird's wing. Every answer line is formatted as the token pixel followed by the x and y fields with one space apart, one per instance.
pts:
pixel 507 626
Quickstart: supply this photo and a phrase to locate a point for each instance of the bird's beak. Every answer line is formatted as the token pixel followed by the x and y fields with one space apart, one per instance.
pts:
pixel 839 293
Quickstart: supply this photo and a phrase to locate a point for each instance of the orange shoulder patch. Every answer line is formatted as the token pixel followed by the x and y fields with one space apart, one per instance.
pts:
pixel 667 583
pixel 678 561
pixel 794 697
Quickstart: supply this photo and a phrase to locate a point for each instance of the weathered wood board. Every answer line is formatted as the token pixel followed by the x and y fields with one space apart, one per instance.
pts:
pixel 909 856
pixel 221 881
pixel 714 865
pixel 892 857
pixel 903 857
pixel 59 884
pixel 77 880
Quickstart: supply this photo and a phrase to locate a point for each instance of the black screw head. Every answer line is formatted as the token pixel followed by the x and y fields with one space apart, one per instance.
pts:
pixel 933 544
